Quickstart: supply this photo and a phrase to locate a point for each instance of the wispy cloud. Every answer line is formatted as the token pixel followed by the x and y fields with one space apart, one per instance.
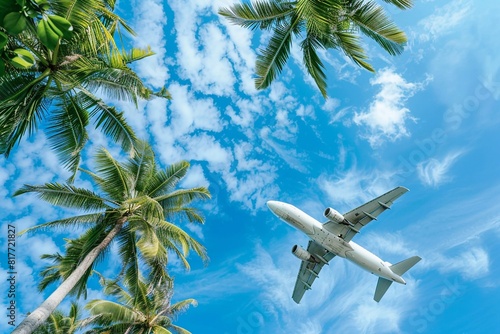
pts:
pixel 444 19
pixel 473 263
pixel 387 115
pixel 355 186
pixel 149 21
pixel 434 172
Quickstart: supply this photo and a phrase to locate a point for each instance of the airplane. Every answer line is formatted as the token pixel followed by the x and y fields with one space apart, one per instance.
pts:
pixel 333 238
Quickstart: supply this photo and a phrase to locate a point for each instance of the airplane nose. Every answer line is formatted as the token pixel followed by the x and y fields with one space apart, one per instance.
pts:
pixel 274 206
pixel 271 205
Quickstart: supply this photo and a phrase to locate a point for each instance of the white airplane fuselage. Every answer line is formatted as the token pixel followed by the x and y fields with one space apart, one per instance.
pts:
pixel 333 243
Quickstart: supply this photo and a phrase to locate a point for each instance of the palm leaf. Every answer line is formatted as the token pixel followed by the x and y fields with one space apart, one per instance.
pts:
pixel 66 195
pixel 350 44
pixel 142 165
pixel 75 221
pixel 171 235
pixel 160 330
pixel 112 76
pixel 182 197
pixel 67 131
pixel 164 181
pixel 182 305
pixel 146 207
pixel 373 22
pixel 148 244
pixel 316 14
pixel 402 4
pixel 111 122
pixel 21 115
pixel 191 214
pixel 313 63
pixel 271 60
pixel 258 14
pixel 113 311
pixel 116 182
pixel 130 258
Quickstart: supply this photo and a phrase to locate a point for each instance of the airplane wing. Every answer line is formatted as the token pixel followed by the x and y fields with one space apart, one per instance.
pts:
pixel 309 270
pixel 361 216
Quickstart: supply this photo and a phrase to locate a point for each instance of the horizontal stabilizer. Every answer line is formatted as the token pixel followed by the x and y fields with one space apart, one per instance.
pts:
pixel 382 286
pixel 401 267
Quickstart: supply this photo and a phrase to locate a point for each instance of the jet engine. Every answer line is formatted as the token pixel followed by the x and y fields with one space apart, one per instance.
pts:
pixel 334 215
pixel 302 254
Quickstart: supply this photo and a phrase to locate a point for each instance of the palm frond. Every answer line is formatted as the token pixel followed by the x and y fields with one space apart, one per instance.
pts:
pixel 75 221
pixel 116 181
pixel 313 63
pixel 136 54
pixel 191 214
pixel 182 305
pixel 164 181
pixel 146 207
pixel 67 131
pixel 160 330
pixel 142 165
pixel 130 260
pixel 113 77
pixel 111 122
pixel 171 235
pixel 111 311
pixel 316 13
pixel 148 244
pixel 258 14
pixel 374 23
pixel 21 114
pixel 181 198
pixel 349 43
pixel 270 61
pixel 402 4
pixel 68 196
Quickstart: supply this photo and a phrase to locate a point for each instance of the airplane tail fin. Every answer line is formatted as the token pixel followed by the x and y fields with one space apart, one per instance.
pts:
pixel 382 286
pixel 399 269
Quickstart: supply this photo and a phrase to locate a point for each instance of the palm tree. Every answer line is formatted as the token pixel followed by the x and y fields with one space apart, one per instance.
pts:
pixel 64 75
pixel 58 323
pixel 145 308
pixel 138 205
pixel 322 24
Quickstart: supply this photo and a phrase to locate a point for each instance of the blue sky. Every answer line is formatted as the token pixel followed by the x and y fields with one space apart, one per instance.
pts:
pixel 427 120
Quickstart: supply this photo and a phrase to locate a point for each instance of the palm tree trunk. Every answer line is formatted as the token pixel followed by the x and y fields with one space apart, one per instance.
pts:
pixel 38 316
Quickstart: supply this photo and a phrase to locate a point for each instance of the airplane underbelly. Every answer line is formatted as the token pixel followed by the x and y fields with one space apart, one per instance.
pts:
pixel 361 261
pixel 332 243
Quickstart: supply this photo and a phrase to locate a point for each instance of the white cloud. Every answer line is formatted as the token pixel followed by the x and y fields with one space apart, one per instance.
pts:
pixel 354 187
pixel 331 105
pixel 149 21
pixel 444 20
pixel 203 49
pixel 471 264
pixel 444 242
pixel 194 178
pixel 434 172
pixel 387 115
pixel 290 155
pixel 35 246
pixel 189 113
pixel 252 181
